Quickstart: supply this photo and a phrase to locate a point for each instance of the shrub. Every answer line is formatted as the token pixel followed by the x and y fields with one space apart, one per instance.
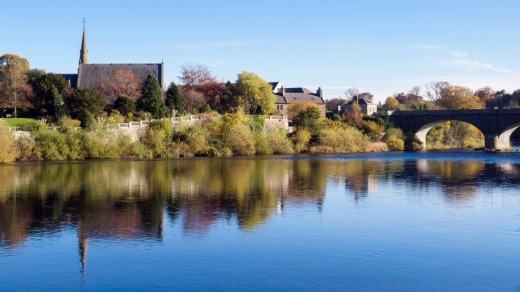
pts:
pixel 279 142
pixel 377 147
pixel 240 140
pixel 26 151
pixel 262 146
pixel 8 149
pixel 394 143
pixel 343 140
pixel 301 140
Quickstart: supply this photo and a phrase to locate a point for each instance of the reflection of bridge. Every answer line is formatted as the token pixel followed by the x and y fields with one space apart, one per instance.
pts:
pixel 496 125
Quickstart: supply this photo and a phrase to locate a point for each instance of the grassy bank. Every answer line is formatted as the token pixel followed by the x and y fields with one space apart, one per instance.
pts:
pixel 18 122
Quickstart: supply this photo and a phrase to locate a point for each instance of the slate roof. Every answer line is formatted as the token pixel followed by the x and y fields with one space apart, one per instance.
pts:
pixel 298 94
pixel 360 101
pixel 89 75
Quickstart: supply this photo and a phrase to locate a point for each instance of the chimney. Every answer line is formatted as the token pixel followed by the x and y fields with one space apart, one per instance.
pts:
pixel 283 91
pixel 319 92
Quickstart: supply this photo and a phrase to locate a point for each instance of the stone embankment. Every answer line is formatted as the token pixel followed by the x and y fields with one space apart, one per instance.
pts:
pixel 134 128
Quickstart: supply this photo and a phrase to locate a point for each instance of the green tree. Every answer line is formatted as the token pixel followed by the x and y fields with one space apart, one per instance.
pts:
pixel 85 104
pixel 256 94
pixel 44 99
pixel 124 105
pixel 174 99
pixel 151 99
pixel 229 102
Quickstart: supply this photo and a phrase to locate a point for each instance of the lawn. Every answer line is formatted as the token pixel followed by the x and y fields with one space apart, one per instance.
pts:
pixel 13 122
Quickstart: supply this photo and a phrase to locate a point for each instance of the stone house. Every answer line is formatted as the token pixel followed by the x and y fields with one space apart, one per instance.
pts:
pixel 287 95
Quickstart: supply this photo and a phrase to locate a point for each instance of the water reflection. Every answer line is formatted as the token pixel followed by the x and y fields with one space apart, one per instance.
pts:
pixel 126 200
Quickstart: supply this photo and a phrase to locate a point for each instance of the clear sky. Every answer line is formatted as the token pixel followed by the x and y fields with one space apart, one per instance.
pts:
pixel 379 46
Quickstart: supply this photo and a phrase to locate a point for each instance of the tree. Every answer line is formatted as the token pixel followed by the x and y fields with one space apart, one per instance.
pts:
pixel 7 60
pixel 151 99
pixel 174 99
pixel 434 90
pixel 306 115
pixel 14 85
pixel 410 99
pixel 197 77
pixel 194 102
pixel 333 104
pixel 85 104
pixel 124 105
pixel 229 102
pixel 391 104
pixel 44 100
pixel 459 97
pixel 256 94
pixel 121 82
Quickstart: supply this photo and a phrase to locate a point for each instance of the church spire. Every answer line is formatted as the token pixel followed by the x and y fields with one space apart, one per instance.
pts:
pixel 83 53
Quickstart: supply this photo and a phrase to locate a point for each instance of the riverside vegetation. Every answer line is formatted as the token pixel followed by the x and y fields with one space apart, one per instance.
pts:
pixel 213 135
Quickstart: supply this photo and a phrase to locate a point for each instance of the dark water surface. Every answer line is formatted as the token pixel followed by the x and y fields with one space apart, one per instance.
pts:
pixel 446 221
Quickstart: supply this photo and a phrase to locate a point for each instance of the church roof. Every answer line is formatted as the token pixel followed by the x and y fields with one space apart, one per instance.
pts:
pixel 89 75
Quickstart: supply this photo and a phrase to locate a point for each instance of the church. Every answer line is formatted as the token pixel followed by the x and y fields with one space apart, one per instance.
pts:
pixel 91 75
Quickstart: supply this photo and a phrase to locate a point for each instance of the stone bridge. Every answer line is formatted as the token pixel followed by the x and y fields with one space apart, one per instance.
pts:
pixel 496 125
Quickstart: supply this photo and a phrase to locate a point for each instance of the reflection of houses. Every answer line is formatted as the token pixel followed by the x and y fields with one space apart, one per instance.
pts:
pixel 92 75
pixel 367 107
pixel 286 96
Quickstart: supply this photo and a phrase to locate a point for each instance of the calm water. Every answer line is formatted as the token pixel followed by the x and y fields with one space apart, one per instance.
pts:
pixel 445 221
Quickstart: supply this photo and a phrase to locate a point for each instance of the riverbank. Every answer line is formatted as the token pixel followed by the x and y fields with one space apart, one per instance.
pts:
pixel 213 136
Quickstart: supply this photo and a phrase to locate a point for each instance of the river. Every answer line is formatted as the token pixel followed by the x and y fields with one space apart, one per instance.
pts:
pixel 447 220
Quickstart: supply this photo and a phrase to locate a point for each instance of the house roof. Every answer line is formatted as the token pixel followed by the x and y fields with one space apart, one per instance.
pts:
pixel 298 94
pixel 361 101
pixel 89 75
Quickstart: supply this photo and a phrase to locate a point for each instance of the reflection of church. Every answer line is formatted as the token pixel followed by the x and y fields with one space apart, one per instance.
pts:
pixel 91 75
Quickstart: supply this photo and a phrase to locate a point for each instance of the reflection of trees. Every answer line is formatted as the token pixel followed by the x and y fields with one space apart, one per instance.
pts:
pixel 127 199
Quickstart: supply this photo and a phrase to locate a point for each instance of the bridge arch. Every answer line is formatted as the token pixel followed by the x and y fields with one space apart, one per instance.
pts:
pixel 423 131
pixel 504 138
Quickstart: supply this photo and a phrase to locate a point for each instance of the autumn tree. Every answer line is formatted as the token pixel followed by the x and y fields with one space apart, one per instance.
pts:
pixel 256 95
pixel 353 93
pixel 459 97
pixel 14 86
pixel 392 104
pixel 174 100
pixel 85 104
pixel 194 102
pixel 334 104
pixel 8 60
pixel 306 115
pixel 411 99
pixel 197 77
pixel 434 90
pixel 151 99
pixel 121 82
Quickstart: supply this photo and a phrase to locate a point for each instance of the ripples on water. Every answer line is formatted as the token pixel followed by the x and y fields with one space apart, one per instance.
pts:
pixel 399 221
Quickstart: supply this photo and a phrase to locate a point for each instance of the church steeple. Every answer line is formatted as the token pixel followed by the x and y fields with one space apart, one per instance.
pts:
pixel 83 53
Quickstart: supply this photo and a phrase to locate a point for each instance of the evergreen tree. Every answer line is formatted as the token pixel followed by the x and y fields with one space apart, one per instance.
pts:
pixel 174 99
pixel 124 105
pixel 56 103
pixel 151 99
pixel 85 104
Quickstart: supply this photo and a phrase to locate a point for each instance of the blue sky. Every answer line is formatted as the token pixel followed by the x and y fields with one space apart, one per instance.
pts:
pixel 379 46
